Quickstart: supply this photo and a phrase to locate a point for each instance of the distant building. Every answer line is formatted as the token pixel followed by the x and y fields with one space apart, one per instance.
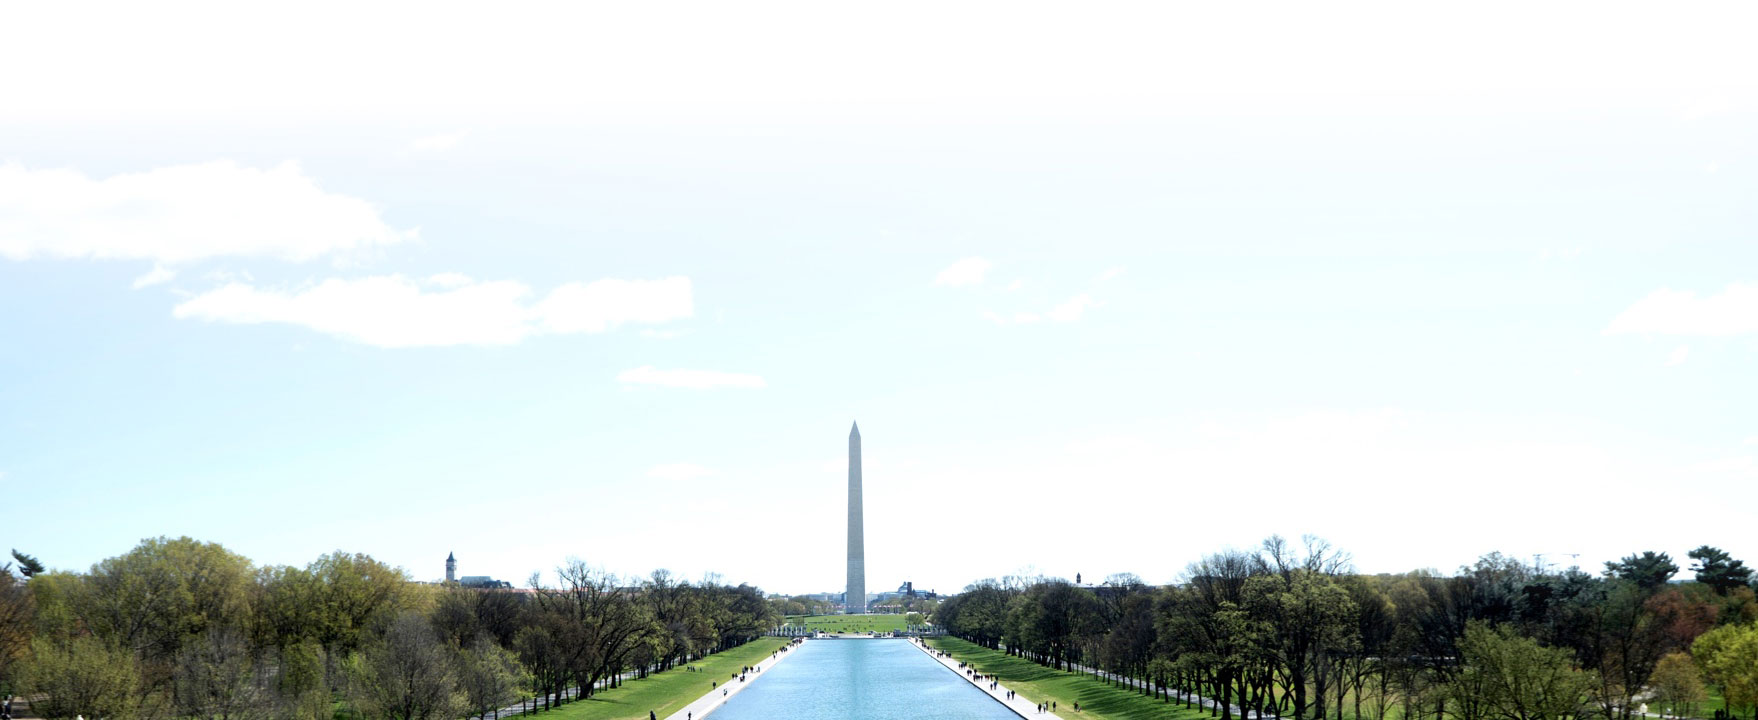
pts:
pixel 479 582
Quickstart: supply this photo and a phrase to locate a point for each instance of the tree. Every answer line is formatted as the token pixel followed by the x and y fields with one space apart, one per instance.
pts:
pixel 1509 676
pixel 1677 681
pixel 300 684
pixel 27 566
pixel 219 677
pixel 408 674
pixel 165 590
pixel 489 676
pixel 1649 570
pixel 84 676
pixel 17 621
pixel 1715 568
pixel 1729 655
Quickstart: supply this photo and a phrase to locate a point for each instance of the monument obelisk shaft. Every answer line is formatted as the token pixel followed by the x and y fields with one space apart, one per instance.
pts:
pixel 856 599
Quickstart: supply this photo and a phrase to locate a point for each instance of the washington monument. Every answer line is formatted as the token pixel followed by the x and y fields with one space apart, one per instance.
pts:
pixel 856 599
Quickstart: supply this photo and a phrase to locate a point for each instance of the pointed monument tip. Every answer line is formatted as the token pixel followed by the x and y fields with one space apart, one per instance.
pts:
pixel 854 429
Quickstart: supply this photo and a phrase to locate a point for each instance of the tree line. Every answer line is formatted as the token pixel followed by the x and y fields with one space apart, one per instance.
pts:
pixel 1295 632
pixel 187 629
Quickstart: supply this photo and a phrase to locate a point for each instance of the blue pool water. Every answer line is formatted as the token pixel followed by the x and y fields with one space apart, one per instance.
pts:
pixel 848 679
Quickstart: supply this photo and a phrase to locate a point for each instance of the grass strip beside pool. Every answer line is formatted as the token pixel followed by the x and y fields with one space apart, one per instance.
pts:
pixel 848 623
pixel 668 691
pixel 1038 684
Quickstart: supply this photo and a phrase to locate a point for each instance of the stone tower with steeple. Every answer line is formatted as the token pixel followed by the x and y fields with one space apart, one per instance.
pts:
pixel 451 568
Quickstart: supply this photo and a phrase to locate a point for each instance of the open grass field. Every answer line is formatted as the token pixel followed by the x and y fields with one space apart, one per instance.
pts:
pixel 849 623
pixel 1038 684
pixel 666 692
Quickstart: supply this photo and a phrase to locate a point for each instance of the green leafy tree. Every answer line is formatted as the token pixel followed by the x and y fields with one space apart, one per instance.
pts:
pixel 300 685
pixel 17 623
pixel 490 677
pixel 220 677
pixel 27 566
pixel 1649 570
pixel 1715 568
pixel 165 590
pixel 84 676
pixel 1513 677
pixel 1678 682
pixel 408 674
pixel 1729 656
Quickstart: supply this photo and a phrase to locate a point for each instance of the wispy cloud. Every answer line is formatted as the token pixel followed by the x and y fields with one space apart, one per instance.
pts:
pixel 1672 312
pixel 1071 310
pixel 969 271
pixel 1065 312
pixel 1111 274
pixel 179 214
pixel 439 142
pixel 397 312
pixel 159 274
pixel 688 379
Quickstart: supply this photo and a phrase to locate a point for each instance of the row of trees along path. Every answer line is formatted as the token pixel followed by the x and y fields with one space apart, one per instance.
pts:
pixel 1296 633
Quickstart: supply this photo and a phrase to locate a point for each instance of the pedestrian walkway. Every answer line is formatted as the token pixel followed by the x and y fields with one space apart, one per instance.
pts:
pixel 731 687
pixel 1019 705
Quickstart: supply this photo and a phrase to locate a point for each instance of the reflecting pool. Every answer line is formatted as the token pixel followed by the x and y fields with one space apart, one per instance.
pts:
pixel 847 679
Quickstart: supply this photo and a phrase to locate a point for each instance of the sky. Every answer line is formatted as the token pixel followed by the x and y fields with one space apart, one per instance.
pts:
pixel 1107 287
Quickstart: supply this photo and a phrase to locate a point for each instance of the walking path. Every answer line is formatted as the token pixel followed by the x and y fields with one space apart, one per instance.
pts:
pixel 731 687
pixel 1019 705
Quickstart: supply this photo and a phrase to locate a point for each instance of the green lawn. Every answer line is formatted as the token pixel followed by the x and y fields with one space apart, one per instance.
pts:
pixel 666 692
pixel 1038 684
pixel 849 623
pixel 1705 709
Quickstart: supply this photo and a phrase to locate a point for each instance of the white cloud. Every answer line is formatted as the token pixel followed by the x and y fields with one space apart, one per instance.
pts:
pixel 439 142
pixel 159 274
pixel 1678 356
pixel 449 280
pixel 177 214
pixel 1752 440
pixel 679 471
pixel 1071 311
pixel 605 304
pixel 1111 274
pixel 1016 285
pixel 394 311
pixel 691 379
pixel 1670 312
pixel 969 271
pixel 662 334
